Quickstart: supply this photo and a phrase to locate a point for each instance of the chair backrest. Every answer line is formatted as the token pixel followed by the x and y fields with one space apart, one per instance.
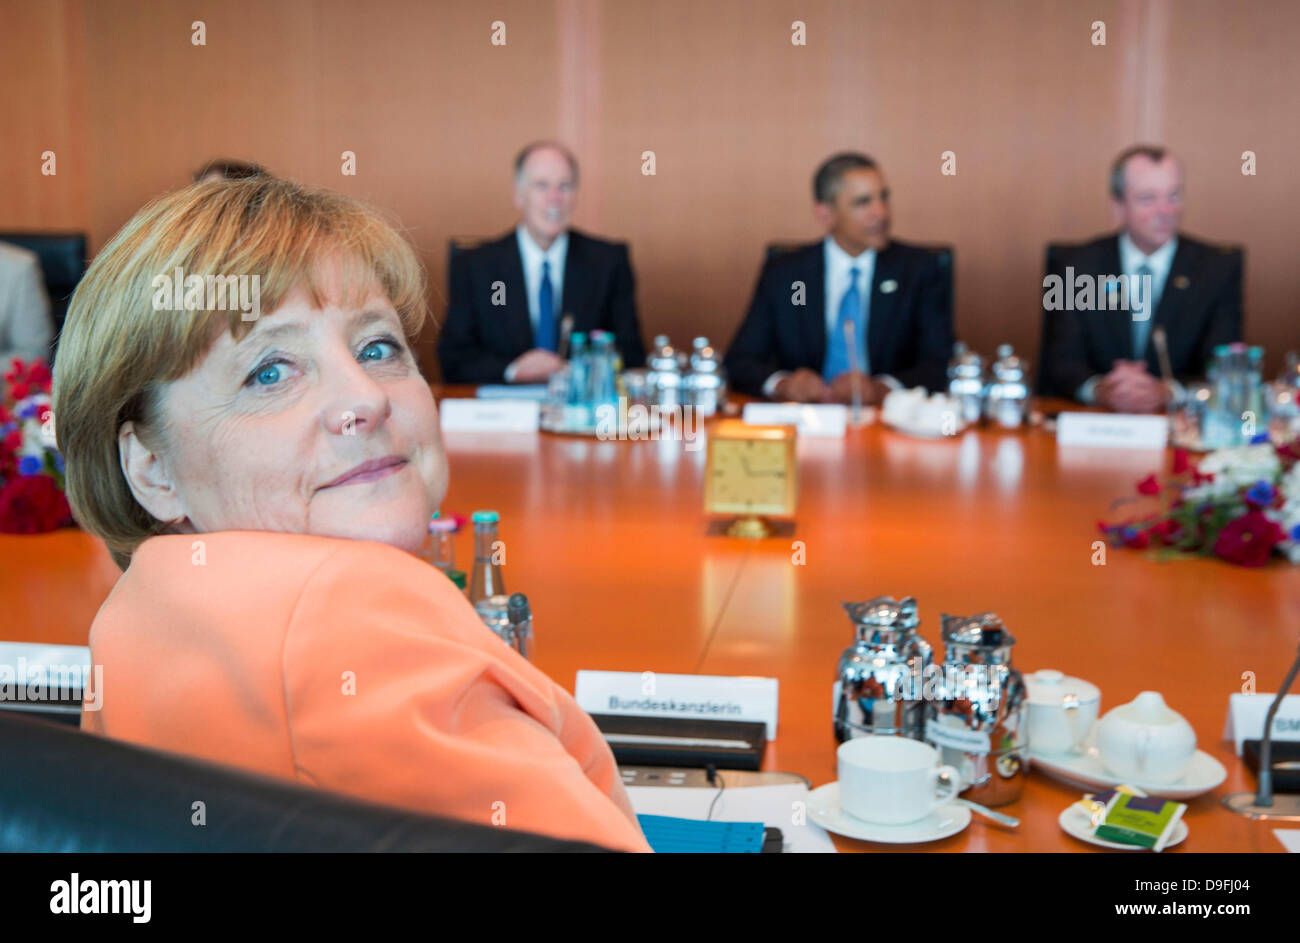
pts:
pixel 64 790
pixel 943 254
pixel 1053 261
pixel 63 262
pixel 458 244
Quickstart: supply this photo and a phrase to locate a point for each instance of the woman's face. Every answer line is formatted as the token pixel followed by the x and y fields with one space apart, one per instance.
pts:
pixel 269 433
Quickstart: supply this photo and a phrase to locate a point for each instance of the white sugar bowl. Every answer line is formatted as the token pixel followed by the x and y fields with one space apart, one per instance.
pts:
pixel 1145 741
pixel 1062 711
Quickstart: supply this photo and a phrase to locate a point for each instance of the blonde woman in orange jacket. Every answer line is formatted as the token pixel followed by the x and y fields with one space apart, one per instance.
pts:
pixel 244 423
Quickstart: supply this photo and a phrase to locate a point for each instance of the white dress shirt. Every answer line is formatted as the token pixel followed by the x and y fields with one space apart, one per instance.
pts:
pixel 532 257
pixel 1131 258
pixel 836 281
pixel 26 328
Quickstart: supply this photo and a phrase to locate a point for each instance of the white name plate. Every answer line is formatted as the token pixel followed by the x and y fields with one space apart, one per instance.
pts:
pixel 27 664
pixel 650 694
pixel 1112 430
pixel 1247 712
pixel 490 415
pixel 828 420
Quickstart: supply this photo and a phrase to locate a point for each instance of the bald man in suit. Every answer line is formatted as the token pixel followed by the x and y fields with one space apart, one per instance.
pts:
pixel 508 297
pixel 1107 357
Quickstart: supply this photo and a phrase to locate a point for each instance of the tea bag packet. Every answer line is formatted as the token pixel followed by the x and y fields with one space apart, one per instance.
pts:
pixel 1096 805
pixel 1139 820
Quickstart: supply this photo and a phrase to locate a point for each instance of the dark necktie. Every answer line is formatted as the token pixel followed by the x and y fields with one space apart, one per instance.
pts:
pixel 1142 328
pixel 546 310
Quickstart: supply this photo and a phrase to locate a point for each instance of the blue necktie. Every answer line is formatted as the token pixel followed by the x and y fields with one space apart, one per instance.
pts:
pixel 546 310
pixel 837 347
pixel 1142 329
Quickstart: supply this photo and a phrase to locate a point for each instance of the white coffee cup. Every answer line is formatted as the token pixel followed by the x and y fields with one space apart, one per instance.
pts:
pixel 892 780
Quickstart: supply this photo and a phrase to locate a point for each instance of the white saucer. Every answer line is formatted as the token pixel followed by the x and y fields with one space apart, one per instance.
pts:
pixel 1075 822
pixel 1085 769
pixel 824 809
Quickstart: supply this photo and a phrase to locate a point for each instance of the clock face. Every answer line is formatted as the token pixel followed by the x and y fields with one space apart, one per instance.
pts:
pixel 750 476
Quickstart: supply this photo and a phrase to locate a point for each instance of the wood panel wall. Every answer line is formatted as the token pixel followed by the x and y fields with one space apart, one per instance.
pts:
pixel 737 116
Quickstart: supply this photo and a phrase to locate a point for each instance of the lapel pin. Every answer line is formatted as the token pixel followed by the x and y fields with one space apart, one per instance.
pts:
pixel 1181 282
pixel 888 286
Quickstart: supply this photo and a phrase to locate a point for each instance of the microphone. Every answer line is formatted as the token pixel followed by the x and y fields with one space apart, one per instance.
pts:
pixel 1263 804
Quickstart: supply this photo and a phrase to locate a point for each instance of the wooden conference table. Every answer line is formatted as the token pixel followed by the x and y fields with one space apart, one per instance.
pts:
pixel 609 541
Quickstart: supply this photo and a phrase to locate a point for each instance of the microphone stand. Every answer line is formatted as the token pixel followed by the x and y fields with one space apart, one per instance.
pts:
pixel 851 341
pixel 1263 804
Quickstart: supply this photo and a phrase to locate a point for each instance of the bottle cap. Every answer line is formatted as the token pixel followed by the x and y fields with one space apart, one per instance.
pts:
pixel 442 525
pixel 485 517
pixel 457 577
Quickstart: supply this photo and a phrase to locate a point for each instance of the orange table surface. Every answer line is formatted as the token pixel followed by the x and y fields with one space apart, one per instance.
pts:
pixel 609 541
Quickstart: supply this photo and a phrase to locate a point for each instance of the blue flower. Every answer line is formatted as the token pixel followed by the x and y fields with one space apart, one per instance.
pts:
pixel 29 465
pixel 1261 493
pixel 58 461
pixel 1295 533
pixel 1259 438
pixel 1128 533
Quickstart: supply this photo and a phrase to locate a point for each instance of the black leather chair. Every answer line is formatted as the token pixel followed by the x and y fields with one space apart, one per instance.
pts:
pixel 63 262
pixel 944 254
pixel 63 790
pixel 458 244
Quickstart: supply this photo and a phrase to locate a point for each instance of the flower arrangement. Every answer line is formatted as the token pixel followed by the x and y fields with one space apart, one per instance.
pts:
pixel 1240 504
pixel 31 469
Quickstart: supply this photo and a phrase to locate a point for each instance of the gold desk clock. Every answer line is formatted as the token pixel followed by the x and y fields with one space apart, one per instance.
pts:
pixel 750 474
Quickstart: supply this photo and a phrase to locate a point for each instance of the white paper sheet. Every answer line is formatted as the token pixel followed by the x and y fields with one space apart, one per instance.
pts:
pixel 1290 839
pixel 774 806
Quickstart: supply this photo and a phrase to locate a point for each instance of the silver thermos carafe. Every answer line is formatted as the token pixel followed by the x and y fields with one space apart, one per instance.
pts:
pixel 980 720
pixel 878 686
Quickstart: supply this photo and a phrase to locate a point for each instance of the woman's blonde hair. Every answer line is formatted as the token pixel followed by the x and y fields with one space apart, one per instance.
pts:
pixel 117 350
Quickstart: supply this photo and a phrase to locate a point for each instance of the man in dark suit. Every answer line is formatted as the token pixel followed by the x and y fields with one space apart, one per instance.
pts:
pixel 796 342
pixel 509 297
pixel 1103 355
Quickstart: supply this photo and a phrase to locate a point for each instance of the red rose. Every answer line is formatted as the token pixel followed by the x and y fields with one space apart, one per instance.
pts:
pixel 1139 541
pixel 1149 485
pixel 1181 461
pixel 1249 540
pixel 32 504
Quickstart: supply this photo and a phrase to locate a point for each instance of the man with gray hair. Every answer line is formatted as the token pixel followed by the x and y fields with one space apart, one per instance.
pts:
pixel 1103 355
pixel 509 297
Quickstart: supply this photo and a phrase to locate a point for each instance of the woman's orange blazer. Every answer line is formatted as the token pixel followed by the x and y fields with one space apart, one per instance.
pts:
pixel 353 666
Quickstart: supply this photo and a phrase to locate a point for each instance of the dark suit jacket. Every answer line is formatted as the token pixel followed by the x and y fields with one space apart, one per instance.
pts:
pixel 479 339
pixel 1199 309
pixel 909 329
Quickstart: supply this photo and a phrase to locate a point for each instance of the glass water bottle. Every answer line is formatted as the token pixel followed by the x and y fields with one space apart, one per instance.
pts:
pixel 487 579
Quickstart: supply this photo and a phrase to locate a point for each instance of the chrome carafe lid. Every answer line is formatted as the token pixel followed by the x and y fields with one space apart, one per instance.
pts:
pixel 978 639
pixel 884 614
